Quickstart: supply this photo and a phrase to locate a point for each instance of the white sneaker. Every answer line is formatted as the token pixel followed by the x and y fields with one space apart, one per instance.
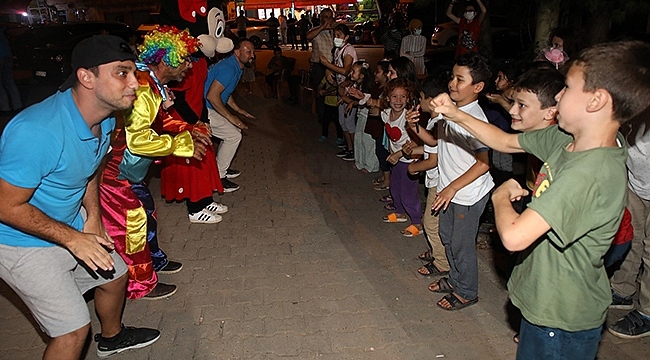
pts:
pixel 204 217
pixel 216 208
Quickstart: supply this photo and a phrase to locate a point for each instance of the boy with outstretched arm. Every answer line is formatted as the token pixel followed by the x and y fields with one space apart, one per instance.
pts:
pixel 463 185
pixel 559 283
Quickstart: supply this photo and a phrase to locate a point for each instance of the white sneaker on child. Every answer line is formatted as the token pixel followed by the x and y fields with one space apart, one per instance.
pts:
pixel 204 217
pixel 216 208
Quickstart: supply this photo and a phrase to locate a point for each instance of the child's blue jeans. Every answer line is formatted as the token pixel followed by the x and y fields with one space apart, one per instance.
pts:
pixel 539 342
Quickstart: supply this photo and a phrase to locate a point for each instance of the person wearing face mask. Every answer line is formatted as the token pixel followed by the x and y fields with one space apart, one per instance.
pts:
pixel 344 56
pixel 469 26
pixel 414 45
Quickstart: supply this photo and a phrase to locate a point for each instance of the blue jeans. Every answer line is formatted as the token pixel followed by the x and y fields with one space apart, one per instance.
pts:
pixel 539 342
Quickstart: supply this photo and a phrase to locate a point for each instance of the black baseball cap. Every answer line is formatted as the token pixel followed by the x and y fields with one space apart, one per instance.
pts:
pixel 94 51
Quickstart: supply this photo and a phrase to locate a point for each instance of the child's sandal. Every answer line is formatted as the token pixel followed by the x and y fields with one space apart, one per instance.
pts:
pixel 393 218
pixel 411 231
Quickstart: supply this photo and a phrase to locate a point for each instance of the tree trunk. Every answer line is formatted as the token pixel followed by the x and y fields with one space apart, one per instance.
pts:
pixel 548 15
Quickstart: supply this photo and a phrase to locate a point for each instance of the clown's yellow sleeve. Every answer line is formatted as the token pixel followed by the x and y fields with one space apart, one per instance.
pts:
pixel 142 140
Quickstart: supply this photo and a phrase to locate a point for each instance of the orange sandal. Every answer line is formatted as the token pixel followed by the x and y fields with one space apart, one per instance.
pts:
pixel 411 231
pixel 393 218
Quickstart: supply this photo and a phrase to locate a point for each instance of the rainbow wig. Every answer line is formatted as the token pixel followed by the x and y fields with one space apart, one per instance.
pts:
pixel 167 44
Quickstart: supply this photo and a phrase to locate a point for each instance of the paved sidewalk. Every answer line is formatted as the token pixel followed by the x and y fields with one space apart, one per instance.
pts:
pixel 302 268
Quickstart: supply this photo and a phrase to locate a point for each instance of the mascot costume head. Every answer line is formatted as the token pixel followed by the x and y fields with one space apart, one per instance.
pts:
pixel 202 18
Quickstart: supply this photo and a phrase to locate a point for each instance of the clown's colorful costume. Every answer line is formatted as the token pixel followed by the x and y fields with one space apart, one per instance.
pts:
pixel 127 205
pixel 191 179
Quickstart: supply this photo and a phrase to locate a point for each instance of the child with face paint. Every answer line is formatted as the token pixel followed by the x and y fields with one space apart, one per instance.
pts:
pixel 469 26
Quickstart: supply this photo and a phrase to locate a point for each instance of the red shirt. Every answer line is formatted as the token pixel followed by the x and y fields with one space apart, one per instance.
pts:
pixel 468 33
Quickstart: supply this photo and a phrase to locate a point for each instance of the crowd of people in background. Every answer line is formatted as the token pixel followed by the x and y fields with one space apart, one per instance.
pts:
pixel 459 135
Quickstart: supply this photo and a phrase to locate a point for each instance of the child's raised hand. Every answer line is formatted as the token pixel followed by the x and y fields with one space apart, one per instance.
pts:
pixel 393 158
pixel 413 116
pixel 355 93
pixel 442 104
pixel 510 189
pixel 407 148
pixel 348 108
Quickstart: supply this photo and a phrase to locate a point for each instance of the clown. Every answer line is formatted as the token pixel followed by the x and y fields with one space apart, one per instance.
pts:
pixel 128 209
pixel 191 180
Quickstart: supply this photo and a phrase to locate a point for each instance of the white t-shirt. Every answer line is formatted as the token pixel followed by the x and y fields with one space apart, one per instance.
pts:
pixel 456 149
pixel 432 175
pixel 339 56
pixel 638 164
pixel 400 124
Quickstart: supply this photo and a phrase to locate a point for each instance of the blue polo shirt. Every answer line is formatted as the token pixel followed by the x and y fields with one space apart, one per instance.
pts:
pixel 227 72
pixel 49 147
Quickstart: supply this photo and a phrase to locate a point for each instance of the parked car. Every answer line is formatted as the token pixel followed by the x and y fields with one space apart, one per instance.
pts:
pixel 51 46
pixel 256 31
pixel 445 34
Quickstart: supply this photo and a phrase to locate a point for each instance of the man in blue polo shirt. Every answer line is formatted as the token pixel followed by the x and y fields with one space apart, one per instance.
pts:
pixel 222 80
pixel 50 253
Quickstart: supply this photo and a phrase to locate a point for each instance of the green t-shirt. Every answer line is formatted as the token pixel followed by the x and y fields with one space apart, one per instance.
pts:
pixel 560 281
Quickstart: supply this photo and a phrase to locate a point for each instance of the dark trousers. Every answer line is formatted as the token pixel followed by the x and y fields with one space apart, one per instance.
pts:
pixel 194 207
pixel 292 39
pixel 303 41
pixel 241 34
pixel 330 114
pixel 382 154
pixel 273 37
pixel 317 73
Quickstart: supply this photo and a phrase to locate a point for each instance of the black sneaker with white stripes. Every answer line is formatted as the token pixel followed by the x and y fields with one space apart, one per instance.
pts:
pixel 232 173
pixel 128 338
pixel 229 186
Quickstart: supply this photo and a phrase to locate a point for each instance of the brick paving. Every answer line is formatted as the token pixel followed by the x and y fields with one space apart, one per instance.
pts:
pixel 302 268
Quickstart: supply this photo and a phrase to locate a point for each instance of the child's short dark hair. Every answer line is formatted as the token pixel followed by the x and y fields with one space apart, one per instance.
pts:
pixel 383 65
pixel 435 85
pixel 343 29
pixel 545 83
pixel 479 67
pixel 623 69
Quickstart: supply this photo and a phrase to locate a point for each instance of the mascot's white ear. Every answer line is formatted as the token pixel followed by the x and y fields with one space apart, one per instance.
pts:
pixel 216 29
pixel 208 44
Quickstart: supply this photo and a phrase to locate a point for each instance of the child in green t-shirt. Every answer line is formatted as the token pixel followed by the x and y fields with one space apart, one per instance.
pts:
pixel 559 283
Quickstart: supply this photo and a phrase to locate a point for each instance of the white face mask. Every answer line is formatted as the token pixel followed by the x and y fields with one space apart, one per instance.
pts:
pixel 338 42
pixel 417 31
pixel 469 15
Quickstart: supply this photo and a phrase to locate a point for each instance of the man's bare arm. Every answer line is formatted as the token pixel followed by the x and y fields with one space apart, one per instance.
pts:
pixel 450 13
pixel 91 203
pixel 16 211
pixel 214 97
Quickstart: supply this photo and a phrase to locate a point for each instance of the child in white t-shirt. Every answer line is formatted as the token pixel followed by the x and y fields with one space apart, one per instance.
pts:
pixel 399 95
